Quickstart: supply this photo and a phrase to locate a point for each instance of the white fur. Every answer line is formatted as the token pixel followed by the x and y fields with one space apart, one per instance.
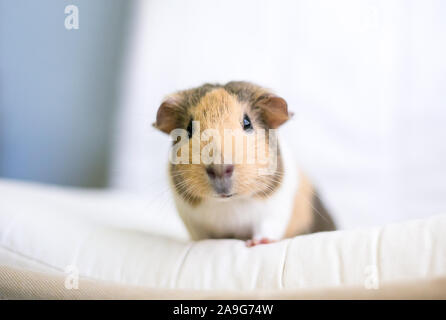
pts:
pixel 244 218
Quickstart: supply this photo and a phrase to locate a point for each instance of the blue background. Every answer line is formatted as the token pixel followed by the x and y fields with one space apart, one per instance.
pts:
pixel 58 89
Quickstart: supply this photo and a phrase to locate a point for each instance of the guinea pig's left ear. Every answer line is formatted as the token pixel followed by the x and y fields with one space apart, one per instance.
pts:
pixel 168 115
pixel 274 110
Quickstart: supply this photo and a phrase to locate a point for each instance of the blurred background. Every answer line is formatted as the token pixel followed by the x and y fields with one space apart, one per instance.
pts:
pixel 366 80
pixel 59 89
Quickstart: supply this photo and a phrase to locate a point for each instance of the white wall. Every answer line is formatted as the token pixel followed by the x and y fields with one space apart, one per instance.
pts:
pixel 366 80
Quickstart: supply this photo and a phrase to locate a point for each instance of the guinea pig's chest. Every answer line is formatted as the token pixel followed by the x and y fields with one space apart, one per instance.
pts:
pixel 242 218
pixel 237 218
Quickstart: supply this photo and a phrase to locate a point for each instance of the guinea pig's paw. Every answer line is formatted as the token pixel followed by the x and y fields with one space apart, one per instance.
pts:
pixel 256 241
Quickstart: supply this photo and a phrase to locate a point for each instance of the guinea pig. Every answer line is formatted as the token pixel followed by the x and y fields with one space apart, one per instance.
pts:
pixel 222 185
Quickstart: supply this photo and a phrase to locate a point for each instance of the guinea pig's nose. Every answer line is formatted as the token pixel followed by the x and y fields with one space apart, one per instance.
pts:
pixel 220 171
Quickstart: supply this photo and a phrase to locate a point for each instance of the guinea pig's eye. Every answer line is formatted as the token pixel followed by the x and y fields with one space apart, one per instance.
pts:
pixel 247 125
pixel 189 129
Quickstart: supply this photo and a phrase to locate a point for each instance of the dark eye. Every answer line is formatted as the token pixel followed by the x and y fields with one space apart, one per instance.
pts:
pixel 189 129
pixel 247 125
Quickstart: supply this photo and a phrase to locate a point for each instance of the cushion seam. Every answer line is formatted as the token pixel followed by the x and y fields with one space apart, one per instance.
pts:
pixel 180 266
pixel 20 254
pixel 285 258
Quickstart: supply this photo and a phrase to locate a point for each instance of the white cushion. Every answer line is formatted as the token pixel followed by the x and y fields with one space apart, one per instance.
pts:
pixel 125 239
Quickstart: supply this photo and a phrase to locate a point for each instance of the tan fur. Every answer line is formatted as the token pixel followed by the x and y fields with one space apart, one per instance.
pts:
pixel 309 213
pixel 302 218
pixel 220 110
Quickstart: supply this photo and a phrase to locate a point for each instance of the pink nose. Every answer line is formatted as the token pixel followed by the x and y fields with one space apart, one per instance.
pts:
pixel 220 171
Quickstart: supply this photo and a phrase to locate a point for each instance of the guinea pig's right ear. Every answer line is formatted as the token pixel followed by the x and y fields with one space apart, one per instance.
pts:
pixel 168 114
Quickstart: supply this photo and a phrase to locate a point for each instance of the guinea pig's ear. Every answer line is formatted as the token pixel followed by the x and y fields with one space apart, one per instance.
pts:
pixel 168 114
pixel 274 110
